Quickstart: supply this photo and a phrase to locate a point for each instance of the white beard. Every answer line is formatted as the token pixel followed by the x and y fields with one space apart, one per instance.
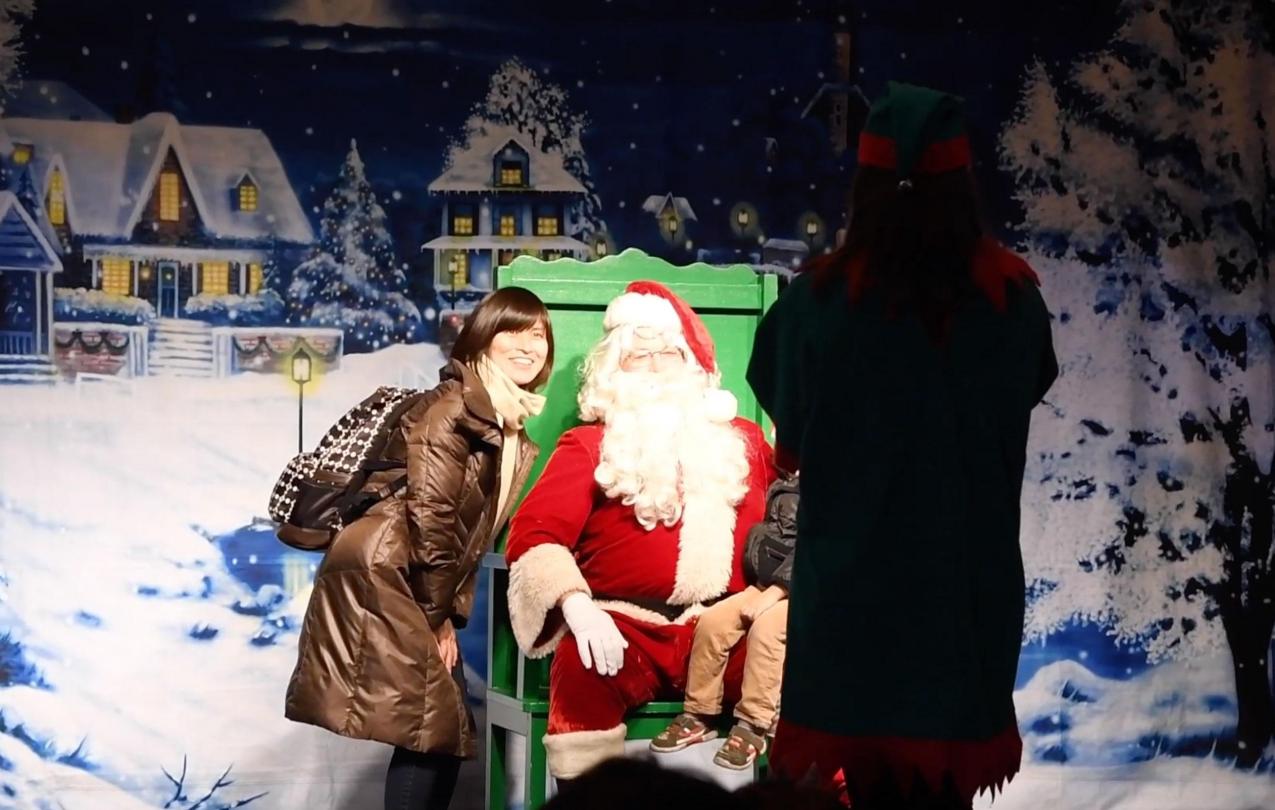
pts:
pixel 664 456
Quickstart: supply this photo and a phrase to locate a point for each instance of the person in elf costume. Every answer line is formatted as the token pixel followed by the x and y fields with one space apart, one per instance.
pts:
pixel 634 526
pixel 901 371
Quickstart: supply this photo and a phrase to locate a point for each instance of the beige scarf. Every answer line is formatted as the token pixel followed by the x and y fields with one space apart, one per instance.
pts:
pixel 514 405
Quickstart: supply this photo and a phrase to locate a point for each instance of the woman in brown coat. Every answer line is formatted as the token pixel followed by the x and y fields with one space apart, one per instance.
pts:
pixel 378 657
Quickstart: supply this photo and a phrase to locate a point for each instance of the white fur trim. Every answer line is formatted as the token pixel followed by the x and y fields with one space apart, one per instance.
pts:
pixel 706 538
pixel 573 752
pixel 720 405
pixel 537 580
pixel 641 309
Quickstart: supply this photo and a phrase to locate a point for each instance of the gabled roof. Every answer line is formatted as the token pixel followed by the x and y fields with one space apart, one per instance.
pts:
pixel 657 204
pixel 22 244
pixel 852 91
pixel 111 170
pixel 469 166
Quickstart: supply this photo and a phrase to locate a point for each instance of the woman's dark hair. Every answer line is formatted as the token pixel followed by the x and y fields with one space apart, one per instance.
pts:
pixel 509 309
pixel 915 242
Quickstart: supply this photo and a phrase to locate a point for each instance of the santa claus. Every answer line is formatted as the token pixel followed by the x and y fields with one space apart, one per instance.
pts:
pixel 636 524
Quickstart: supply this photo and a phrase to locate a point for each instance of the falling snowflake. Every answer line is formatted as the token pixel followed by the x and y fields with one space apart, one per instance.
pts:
pixel 189 17
pixel 396 194
pixel 579 82
pixel 85 50
pixel 446 84
pixel 124 64
pixel 44 89
pixel 734 122
pixel 621 203
pixel 903 54
pixel 635 105
pixel 699 147
pixel 717 201
pixel 208 94
pixel 309 130
pixel 314 67
pixel 394 72
pixel 632 145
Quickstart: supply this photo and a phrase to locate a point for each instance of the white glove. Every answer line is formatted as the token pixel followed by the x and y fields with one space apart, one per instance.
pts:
pixel 597 638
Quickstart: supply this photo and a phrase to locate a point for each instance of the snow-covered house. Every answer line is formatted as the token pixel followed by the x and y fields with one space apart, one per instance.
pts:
pixel 28 263
pixel 671 212
pixel 503 198
pixel 790 252
pixel 156 209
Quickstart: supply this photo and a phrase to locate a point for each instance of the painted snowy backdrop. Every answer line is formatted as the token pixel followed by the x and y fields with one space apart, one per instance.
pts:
pixel 148 618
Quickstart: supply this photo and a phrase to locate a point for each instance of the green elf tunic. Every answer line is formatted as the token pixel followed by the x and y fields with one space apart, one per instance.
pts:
pixel 907 600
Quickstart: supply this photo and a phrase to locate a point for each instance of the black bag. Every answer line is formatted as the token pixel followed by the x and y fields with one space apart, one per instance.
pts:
pixel 770 544
pixel 321 492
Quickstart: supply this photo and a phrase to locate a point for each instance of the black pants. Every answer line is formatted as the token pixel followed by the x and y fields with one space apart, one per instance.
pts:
pixel 418 781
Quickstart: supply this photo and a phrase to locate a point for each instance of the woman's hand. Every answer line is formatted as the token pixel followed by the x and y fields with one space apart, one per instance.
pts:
pixel 448 648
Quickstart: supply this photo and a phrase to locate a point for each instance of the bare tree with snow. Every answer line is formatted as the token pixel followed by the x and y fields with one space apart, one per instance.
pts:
pixel 1146 173
pixel 12 15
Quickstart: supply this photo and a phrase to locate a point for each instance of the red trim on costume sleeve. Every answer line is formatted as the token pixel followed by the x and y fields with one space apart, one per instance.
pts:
pixel 994 266
pixel 973 765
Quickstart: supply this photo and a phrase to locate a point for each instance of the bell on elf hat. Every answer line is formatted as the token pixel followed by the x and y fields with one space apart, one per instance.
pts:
pixel 915 131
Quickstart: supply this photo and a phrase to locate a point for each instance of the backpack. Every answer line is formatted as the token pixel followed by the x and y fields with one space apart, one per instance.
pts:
pixel 320 492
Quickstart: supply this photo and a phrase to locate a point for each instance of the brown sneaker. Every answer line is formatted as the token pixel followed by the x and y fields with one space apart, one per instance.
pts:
pixel 685 730
pixel 741 748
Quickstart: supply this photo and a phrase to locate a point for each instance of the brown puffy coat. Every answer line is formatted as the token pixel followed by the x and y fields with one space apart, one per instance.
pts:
pixel 369 665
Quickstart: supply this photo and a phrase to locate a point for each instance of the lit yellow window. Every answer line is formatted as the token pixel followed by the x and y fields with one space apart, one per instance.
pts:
pixel 463 226
pixel 57 198
pixel 254 278
pixel 508 225
pixel 170 197
pixel 22 154
pixel 117 276
pixel 247 197
pixel 214 278
pixel 546 226
pixel 458 269
pixel 511 175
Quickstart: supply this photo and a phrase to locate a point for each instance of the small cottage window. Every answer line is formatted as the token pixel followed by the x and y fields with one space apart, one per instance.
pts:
pixel 511 173
pixel 548 222
pixel 57 198
pixel 214 278
pixel 170 196
pixel 254 278
pixel 508 225
pixel 247 195
pixel 117 276
pixel 463 220
pixel 22 153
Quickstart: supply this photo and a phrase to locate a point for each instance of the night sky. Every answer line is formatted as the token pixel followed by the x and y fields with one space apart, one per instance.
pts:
pixel 681 95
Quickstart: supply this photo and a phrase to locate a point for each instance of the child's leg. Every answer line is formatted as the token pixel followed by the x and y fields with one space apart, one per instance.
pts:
pixel 764 668
pixel 719 629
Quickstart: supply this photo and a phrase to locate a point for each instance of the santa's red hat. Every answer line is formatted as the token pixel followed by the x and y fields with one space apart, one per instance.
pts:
pixel 651 304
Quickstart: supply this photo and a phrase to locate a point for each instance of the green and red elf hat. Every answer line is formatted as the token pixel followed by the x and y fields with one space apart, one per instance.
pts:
pixel 915 130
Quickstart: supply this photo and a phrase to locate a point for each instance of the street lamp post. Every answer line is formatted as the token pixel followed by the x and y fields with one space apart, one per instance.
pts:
pixel 300 376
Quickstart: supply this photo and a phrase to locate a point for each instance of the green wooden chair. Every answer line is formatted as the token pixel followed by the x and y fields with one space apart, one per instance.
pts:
pixel 731 302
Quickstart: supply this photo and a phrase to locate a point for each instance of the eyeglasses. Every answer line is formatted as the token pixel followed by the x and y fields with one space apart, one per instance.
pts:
pixel 649 358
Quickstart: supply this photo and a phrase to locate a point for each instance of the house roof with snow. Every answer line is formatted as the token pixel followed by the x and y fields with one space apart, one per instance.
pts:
pixel 23 246
pixel 46 98
pixel 110 171
pixel 853 94
pixel 470 165
pixel 657 204
pixel 794 245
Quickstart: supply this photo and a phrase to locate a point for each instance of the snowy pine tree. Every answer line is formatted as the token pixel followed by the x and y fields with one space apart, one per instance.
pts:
pixel 12 14
pixel 352 281
pixel 518 97
pixel 1147 177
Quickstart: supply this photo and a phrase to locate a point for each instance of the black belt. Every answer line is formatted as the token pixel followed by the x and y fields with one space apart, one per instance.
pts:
pixel 670 612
